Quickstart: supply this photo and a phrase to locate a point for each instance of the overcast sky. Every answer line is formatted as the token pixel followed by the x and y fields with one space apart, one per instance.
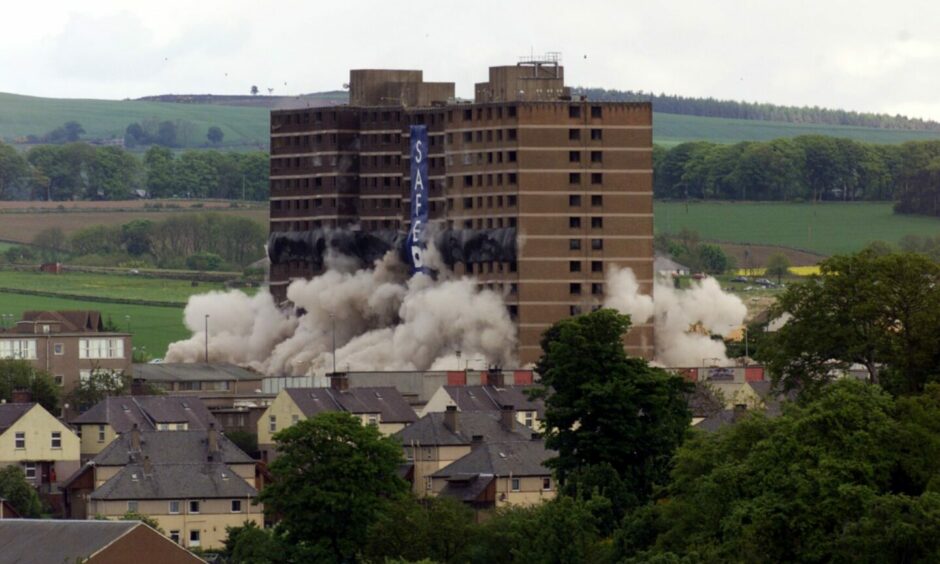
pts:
pixel 861 55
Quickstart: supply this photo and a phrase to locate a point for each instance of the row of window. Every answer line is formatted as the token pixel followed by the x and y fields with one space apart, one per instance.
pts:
pixel 597 289
pixel 515 484
pixel 574 222
pixel 19 440
pixel 596 266
pixel 575 244
pixel 490 267
pixel 193 506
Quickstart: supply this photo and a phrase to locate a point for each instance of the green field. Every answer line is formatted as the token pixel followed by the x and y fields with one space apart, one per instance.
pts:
pixel 107 285
pixel 821 228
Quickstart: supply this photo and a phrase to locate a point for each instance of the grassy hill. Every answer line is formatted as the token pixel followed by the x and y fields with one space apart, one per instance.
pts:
pixel 246 126
pixel 827 228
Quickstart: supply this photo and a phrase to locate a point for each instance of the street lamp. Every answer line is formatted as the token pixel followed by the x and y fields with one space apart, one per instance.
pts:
pixel 207 338
pixel 333 324
pixel 127 318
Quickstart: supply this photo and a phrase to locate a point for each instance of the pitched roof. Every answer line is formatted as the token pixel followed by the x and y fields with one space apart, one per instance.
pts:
pixel 73 321
pixel 122 412
pixel 518 458
pixel 175 481
pixel 10 413
pixel 485 398
pixel 431 430
pixel 388 402
pixel 193 372
pixel 468 488
pixel 169 447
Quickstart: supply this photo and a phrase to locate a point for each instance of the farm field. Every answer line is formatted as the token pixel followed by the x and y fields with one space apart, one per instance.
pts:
pixel 106 285
pixel 827 229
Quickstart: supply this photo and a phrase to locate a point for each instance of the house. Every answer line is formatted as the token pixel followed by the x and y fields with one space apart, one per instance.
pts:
pixel 70 345
pixel 438 439
pixel 489 398
pixel 198 378
pixel 115 415
pixel 44 541
pixel 498 474
pixel 37 442
pixel 384 407
pixel 194 483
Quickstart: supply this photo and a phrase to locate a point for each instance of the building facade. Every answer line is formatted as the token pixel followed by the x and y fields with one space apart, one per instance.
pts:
pixel 33 439
pixel 533 193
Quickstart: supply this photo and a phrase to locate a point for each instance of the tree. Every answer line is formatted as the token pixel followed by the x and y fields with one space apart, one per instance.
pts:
pixel 113 174
pixel 166 134
pixel 13 172
pixel 18 492
pixel 204 261
pixel 215 135
pixel 135 236
pixel 778 265
pixel 247 442
pixel 607 411
pixel 20 375
pixel 882 312
pixel 52 243
pixel 254 90
pixel 159 166
pixel 331 479
pixel 99 385
pixel 437 528
pixel 250 544
pixel 712 259
pixel 97 239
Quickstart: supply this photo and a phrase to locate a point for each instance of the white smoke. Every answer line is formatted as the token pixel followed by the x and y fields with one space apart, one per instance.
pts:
pixel 381 320
pixel 683 319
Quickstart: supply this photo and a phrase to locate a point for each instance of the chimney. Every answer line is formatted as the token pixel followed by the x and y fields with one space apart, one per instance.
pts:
pixel 135 438
pixel 148 467
pixel 495 377
pixel 475 441
pixel 21 396
pixel 507 417
pixel 740 410
pixel 213 443
pixel 339 381
pixel 450 418
pixel 138 387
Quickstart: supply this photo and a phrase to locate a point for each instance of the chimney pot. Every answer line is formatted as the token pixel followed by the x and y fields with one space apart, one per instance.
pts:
pixel 135 438
pixel 450 418
pixel 339 381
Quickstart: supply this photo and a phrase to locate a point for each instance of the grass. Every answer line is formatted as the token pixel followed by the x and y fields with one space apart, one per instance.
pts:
pixel 154 327
pixel 107 285
pixel 829 228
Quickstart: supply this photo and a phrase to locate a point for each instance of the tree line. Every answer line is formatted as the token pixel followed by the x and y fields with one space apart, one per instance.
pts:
pixel 716 108
pixel 806 168
pixel 79 171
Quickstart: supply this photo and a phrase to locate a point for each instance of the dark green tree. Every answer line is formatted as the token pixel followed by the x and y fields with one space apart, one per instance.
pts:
pixel 778 265
pixel 332 478
pixel 52 243
pixel 215 135
pixel 20 375
pixel 437 528
pixel 135 236
pixel 18 492
pixel 250 544
pixel 13 172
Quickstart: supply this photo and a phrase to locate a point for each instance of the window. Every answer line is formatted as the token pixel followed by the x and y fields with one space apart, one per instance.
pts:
pixel 574 266
pixel 574 111
pixel 530 419
pixel 574 156
pixel 596 111
pixel 574 134
pixel 546 483
pixel 236 506
pixel 574 200
pixel 175 536
pixel 597 134
pixel 194 507
pixel 512 156
pixel 59 380
pixel 19 440
pixel 511 177
pixel 574 244
pixel 574 222
pixel 100 348
pixel 512 111
pixel 132 506
pixel 597 266
pixel 18 348
pixel 597 157
pixel 427 483
pixel 194 538
pixel 597 200
pixel 574 178
pixel 373 420
pixel 56 439
pixel 514 486
pixel 597 244
pixel 294 419
pixel 174 507
pixel 597 222
pixel 597 178
pixel 574 288
pixel 100 433
pixel 272 423
pixel 574 310
pixel 29 469
pixel 597 289
pixel 59 349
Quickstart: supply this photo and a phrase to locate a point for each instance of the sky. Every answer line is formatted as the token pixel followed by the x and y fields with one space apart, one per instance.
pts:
pixel 857 55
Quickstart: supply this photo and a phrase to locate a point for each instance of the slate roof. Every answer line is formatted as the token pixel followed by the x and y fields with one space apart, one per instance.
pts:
pixel 122 412
pixel 431 430
pixel 10 413
pixel 518 458
pixel 175 481
pixel 74 321
pixel 484 398
pixel 169 447
pixel 388 402
pixel 468 489
pixel 193 372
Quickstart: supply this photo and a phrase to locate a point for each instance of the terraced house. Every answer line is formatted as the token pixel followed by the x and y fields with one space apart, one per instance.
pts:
pixel 37 442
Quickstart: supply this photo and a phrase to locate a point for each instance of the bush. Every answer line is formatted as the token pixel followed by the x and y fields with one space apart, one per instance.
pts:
pixel 204 261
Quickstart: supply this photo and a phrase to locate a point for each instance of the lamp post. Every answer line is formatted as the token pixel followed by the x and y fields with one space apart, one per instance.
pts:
pixel 127 318
pixel 333 324
pixel 207 338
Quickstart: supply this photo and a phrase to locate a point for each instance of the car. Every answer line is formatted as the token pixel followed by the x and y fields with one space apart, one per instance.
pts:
pixel 764 282
pixel 740 279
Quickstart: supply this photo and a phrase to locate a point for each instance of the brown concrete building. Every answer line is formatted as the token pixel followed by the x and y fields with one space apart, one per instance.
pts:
pixel 568 183
pixel 70 345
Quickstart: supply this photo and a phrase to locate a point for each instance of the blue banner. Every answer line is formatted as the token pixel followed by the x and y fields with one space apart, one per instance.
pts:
pixel 417 236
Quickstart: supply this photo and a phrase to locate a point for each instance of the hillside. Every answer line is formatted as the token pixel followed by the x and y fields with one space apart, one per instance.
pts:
pixel 244 120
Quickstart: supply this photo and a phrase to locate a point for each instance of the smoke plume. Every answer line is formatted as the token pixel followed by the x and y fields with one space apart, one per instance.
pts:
pixel 683 319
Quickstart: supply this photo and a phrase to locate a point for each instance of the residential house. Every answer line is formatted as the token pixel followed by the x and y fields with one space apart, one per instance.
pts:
pixel 384 407
pixel 490 398
pixel 70 345
pixel 115 415
pixel 37 442
pixel 179 378
pixel 45 541
pixel 194 483
pixel 438 439
pixel 497 474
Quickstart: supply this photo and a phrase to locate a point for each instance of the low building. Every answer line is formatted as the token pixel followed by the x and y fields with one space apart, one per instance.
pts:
pixel 113 416
pixel 194 483
pixel 490 398
pixel 181 378
pixel 37 442
pixel 498 474
pixel 438 439
pixel 70 345
pixel 44 541
pixel 384 407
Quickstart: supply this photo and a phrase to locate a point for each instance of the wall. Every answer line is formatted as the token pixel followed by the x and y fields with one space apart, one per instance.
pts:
pixel 38 425
pixel 68 365
pixel 430 459
pixel 90 445
pixel 284 409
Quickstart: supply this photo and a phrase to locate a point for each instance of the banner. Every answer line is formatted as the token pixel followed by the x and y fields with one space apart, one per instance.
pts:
pixel 417 236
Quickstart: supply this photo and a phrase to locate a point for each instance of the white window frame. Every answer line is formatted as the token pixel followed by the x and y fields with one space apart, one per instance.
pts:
pixel 55 440
pixel 190 506
pixel 272 423
pixel 101 433
pixel 19 440
pixel 99 348
pixel 29 469
pixel 195 543
pixel 23 349
pixel 428 483
pixel 546 484
pixel 170 507
pixel 58 349
pixel 237 502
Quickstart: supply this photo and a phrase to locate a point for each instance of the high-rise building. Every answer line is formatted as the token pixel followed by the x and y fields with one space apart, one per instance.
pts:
pixel 532 192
